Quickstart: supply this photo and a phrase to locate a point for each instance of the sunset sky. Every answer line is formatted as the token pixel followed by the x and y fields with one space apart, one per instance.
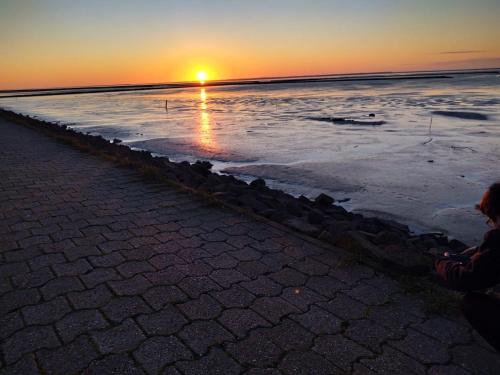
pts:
pixel 54 43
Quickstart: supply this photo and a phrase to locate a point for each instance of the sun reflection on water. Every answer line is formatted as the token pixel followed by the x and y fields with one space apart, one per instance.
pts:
pixel 206 137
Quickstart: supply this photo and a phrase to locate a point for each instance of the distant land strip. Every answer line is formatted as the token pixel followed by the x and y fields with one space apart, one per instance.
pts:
pixel 239 82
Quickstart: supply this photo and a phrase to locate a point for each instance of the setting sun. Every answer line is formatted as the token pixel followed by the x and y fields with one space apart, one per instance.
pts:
pixel 201 76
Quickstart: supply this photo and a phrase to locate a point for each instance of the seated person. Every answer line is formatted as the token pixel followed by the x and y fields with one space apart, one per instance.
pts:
pixel 477 269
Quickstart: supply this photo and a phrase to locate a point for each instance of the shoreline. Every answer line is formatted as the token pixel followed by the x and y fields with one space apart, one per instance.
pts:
pixel 386 241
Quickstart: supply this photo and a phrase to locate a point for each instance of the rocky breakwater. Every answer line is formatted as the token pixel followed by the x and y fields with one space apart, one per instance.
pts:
pixel 388 242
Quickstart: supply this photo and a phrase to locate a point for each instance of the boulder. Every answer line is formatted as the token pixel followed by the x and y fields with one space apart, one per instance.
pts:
pixel 324 200
pixel 259 183
pixel 395 255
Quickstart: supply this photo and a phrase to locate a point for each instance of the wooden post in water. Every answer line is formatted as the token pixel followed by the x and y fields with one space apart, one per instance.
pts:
pixel 166 105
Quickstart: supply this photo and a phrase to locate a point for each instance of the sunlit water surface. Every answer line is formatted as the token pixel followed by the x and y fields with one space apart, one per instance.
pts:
pixel 429 176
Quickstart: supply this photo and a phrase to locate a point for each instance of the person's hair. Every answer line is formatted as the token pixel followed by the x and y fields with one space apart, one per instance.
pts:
pixel 490 203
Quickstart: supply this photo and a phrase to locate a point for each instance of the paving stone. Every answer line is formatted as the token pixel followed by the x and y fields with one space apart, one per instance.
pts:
pixel 122 338
pixel 69 359
pixel 10 323
pixel 164 322
pixel 191 254
pixel 81 251
pixel 345 307
pixel 14 268
pixel 291 336
pixel 28 340
pixel 120 308
pixel 99 276
pixel 263 286
pixel 157 352
pixel 195 286
pixel 26 365
pixel 216 248
pixel 162 261
pixel 78 267
pixel 196 268
pixel 311 267
pixel 159 296
pixel 326 285
pixel 46 260
pixel 369 334
pixel 33 279
pixel 22 254
pixel 109 260
pixel 444 330
pixel 240 321
pixel 113 364
pixel 263 371
pixel 18 298
pixel 226 278
pixel 276 261
pixel 253 268
pixel 61 285
pixel 80 322
pixel 236 296
pixel 204 307
pixel 46 313
pixel 318 321
pixel 216 362
pixel 131 268
pixel 201 335
pixel 246 254
pixel 368 294
pixel 289 277
pixel 169 276
pixel 222 261
pixel 305 363
pixel 301 297
pixel 130 287
pixel 256 350
pixel 91 298
pixel 393 362
pixel 111 246
pixel 476 359
pixel 447 370
pixel 352 274
pixel 392 318
pixel 273 308
pixel 340 351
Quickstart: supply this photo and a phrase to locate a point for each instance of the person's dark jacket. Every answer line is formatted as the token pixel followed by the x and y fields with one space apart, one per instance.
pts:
pixel 480 272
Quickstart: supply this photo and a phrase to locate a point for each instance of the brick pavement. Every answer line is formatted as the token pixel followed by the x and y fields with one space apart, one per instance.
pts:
pixel 101 272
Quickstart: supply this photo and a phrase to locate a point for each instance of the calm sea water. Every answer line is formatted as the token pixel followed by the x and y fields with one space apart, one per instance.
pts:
pixel 427 175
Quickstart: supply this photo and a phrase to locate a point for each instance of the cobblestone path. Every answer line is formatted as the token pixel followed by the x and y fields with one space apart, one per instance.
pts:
pixel 101 272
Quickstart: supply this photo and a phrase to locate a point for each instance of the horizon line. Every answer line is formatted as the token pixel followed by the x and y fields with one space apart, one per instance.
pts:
pixel 239 81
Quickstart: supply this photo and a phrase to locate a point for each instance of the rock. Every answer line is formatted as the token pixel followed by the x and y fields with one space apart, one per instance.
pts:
pixel 302 226
pixel 202 167
pixel 258 183
pixel 250 201
pixel 293 207
pixel 387 237
pixel 315 217
pixel 304 200
pixel 370 225
pixel 394 255
pixel 371 115
pixel 324 200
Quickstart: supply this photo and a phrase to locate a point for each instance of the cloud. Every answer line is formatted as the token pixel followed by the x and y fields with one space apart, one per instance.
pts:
pixel 461 52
